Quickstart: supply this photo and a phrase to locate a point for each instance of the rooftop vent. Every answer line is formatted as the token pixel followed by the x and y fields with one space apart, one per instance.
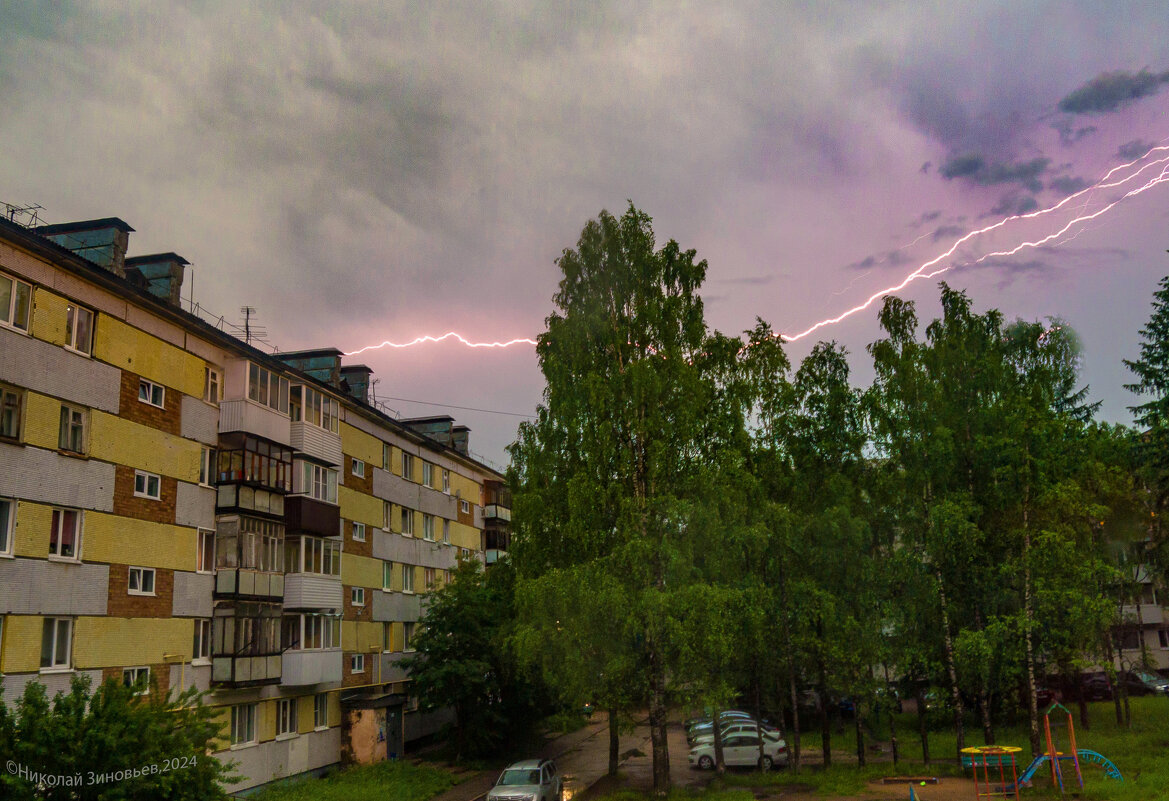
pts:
pixel 102 242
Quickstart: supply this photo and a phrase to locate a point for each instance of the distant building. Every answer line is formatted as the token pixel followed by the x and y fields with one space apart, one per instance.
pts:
pixel 177 504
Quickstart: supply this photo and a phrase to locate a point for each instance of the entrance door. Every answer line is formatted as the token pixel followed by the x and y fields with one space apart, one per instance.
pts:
pixel 394 732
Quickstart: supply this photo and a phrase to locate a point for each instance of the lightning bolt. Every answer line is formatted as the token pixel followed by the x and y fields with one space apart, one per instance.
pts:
pixel 447 335
pixel 925 271
pixel 930 268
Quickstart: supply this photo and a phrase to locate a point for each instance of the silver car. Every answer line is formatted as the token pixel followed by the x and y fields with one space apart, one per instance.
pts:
pixel 529 780
pixel 729 729
pixel 741 750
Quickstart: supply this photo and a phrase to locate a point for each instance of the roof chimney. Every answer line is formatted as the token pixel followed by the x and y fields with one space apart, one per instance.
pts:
pixel 102 242
pixel 162 272
pixel 323 364
pixel 355 381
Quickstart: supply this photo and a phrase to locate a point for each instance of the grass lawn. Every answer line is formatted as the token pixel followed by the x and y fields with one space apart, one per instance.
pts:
pixel 385 781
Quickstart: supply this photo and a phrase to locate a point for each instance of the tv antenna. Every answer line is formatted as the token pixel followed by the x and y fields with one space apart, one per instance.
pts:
pixel 251 331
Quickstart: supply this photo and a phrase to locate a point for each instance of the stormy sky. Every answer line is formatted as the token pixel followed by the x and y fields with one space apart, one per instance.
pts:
pixel 369 172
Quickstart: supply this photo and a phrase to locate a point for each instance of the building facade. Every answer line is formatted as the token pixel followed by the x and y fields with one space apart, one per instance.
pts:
pixel 178 506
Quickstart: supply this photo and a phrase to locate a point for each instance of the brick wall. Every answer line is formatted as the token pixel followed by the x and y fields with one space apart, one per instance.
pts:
pixel 359 547
pixel 168 419
pixel 159 672
pixel 122 604
pixel 351 612
pixel 127 505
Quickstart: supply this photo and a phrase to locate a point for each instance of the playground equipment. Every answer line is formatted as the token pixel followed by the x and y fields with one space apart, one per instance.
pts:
pixel 987 757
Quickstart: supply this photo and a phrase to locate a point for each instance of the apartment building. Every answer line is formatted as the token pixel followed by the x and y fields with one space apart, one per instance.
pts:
pixel 180 506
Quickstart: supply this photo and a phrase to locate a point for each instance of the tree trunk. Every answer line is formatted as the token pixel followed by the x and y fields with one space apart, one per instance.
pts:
pixel 1112 660
pixel 614 741
pixel 657 723
pixel 1085 723
pixel 892 716
pixel 860 735
pixel 951 670
pixel 720 765
pixel 984 711
pixel 794 745
pixel 825 725
pixel 923 730
pixel 1028 623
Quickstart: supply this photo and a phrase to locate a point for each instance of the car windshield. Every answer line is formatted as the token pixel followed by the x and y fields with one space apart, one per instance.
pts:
pixel 1150 678
pixel 514 777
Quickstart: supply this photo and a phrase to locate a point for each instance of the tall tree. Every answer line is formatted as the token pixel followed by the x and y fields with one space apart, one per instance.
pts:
pixel 625 443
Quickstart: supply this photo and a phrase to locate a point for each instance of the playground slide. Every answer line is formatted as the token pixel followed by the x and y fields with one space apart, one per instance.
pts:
pixel 1110 769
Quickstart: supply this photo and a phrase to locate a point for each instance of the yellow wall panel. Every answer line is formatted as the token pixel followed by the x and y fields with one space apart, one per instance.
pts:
pixel 223 719
pixel 360 571
pixel 467 489
pixel 304 713
pixel 361 445
pixel 358 506
pixel 266 725
pixel 464 536
pixel 33 524
pixel 21 648
pixel 42 421
pixel 334 709
pixel 48 316
pixel 127 541
pixel 131 349
pixel 367 636
pixel 116 641
pixel 121 441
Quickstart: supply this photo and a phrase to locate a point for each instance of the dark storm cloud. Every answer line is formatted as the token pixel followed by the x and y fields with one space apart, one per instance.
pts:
pixel 888 258
pixel 977 169
pixel 1134 149
pixel 926 217
pixel 1111 91
pixel 1012 204
pixel 1067 184
pixel 1069 134
pixel 946 231
pixel 751 280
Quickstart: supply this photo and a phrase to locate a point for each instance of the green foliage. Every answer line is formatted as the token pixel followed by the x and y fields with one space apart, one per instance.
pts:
pixel 382 781
pixel 86 734
pixel 462 660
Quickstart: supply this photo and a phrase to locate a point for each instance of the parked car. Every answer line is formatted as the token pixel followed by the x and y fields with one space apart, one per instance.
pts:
pixel 1095 686
pixel 746 727
pixel 1142 682
pixel 741 750
pixel 529 780
pixel 706 724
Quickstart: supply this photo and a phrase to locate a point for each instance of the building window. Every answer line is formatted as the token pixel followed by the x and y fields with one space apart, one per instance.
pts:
pixel 152 393
pixel 285 717
pixel 317 481
pixel 407 466
pixel 408 636
pixel 427 473
pixel 428 527
pixel 1163 637
pixel 407 578
pixel 357 663
pixel 358 468
pixel 256 545
pixel 447 575
pixel 314 407
pixel 212 386
pixel 310 632
pixel 464 553
pixel 7 524
pixel 387 637
pixel 267 388
pixel 312 555
pixel 138 678
pixel 243 724
pixel 357 596
pixel 359 531
pixel 205 562
pixel 79 329
pixel 387 515
pixel 72 433
pixel 65 536
pixel 56 643
pixel 15 302
pixel 407 522
pixel 446 531
pixel 207 466
pixel 428 578
pixel 387 576
pixel 386 453
pixel 201 645
pixel 140 581
pixel 465 507
pixel 147 485
pixel 446 481
pixel 11 411
pixel 321 711
pixel 1130 639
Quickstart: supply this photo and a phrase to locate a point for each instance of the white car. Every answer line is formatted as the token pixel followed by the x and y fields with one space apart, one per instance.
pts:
pixel 530 780
pixel 741 750
pixel 743 727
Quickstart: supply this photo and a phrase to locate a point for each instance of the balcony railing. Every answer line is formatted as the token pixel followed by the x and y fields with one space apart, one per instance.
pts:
pixel 311 667
pixel 312 591
pixel 494 511
pixel 305 514
pixel 241 582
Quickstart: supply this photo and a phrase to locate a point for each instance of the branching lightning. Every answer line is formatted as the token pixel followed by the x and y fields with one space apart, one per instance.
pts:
pixel 938 265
